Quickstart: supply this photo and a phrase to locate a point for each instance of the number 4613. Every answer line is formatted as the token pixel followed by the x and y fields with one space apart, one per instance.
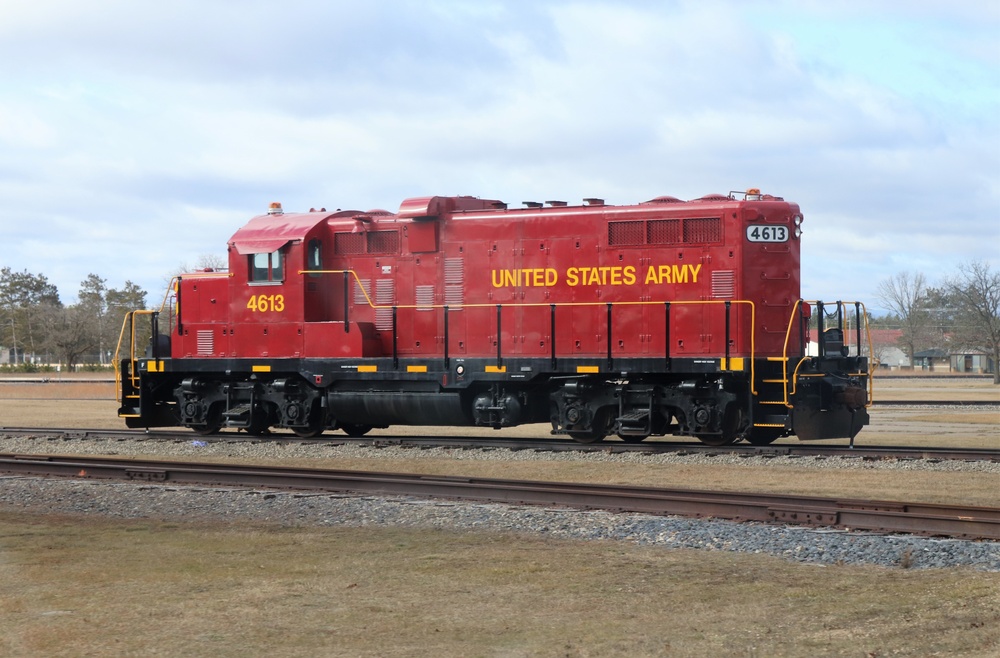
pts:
pixel 265 303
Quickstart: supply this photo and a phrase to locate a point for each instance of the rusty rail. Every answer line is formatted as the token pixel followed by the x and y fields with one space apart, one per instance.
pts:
pixel 882 516
pixel 517 443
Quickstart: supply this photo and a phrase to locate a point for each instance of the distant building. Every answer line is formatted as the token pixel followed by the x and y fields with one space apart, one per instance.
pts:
pixel 887 352
pixel 972 362
pixel 933 360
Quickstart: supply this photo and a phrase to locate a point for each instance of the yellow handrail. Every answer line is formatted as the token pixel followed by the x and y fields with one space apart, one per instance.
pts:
pixel 753 310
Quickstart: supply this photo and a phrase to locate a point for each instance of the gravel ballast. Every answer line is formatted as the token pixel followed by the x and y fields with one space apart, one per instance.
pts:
pixel 809 545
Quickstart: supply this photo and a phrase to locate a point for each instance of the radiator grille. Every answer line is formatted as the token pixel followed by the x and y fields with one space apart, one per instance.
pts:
pixel 723 284
pixel 454 282
pixel 708 229
pixel 362 286
pixel 385 297
pixel 346 244
pixel 425 298
pixel 694 230
pixel 383 242
pixel 663 231
pixel 625 233
pixel 206 342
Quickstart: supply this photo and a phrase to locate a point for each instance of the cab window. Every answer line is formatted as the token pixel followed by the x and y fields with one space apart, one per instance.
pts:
pixel 267 268
pixel 315 256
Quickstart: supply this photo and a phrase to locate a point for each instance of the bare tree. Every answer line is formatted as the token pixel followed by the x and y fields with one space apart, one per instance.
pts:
pixel 905 294
pixel 975 296
pixel 71 334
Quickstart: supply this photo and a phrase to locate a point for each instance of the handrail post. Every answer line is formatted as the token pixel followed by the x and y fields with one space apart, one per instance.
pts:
pixel 610 358
pixel 347 302
pixel 552 333
pixel 729 305
pixel 499 307
pixel 395 340
pixel 802 329
pixel 446 361
pixel 857 319
pixel 666 335
pixel 820 345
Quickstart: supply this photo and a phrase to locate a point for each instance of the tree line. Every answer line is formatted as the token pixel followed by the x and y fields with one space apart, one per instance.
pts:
pixel 960 314
pixel 38 330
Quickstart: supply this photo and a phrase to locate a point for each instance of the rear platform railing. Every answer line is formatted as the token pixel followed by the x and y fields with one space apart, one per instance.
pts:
pixel 831 342
pixel 127 383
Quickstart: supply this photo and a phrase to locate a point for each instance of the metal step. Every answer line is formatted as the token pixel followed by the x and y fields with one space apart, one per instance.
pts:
pixel 633 416
pixel 237 412
pixel 634 423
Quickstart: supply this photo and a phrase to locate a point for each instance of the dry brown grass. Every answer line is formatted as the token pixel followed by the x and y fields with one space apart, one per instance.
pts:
pixel 99 587
pixel 978 389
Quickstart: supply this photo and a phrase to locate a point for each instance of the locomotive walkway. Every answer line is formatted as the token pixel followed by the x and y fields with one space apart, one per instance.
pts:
pixel 868 515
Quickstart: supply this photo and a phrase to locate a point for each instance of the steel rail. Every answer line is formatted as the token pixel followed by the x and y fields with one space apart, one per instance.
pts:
pixel 871 515
pixel 936 403
pixel 547 444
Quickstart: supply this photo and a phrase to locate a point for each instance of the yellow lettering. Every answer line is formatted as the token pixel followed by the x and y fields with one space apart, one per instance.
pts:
pixel 676 274
pixel 584 276
pixel 679 273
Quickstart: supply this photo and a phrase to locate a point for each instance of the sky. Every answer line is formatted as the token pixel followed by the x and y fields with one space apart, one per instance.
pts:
pixel 136 137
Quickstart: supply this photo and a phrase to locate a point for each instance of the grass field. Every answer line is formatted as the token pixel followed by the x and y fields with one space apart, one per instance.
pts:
pixel 75 587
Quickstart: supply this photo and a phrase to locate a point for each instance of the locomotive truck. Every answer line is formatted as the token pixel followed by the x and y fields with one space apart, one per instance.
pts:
pixel 665 317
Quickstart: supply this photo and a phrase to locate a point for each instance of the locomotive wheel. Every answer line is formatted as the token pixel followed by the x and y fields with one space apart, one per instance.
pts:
pixel 311 432
pixel 314 427
pixel 207 429
pixel 213 423
pixel 598 429
pixel 350 429
pixel 730 429
pixel 715 440
pixel 593 436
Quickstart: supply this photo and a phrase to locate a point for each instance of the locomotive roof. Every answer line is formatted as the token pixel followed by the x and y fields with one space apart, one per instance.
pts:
pixel 270 232
pixel 273 230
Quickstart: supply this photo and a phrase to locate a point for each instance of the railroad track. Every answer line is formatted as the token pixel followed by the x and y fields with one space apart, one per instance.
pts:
pixel 868 515
pixel 547 444
pixel 936 403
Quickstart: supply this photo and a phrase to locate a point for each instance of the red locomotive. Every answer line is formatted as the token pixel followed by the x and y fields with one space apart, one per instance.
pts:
pixel 664 317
